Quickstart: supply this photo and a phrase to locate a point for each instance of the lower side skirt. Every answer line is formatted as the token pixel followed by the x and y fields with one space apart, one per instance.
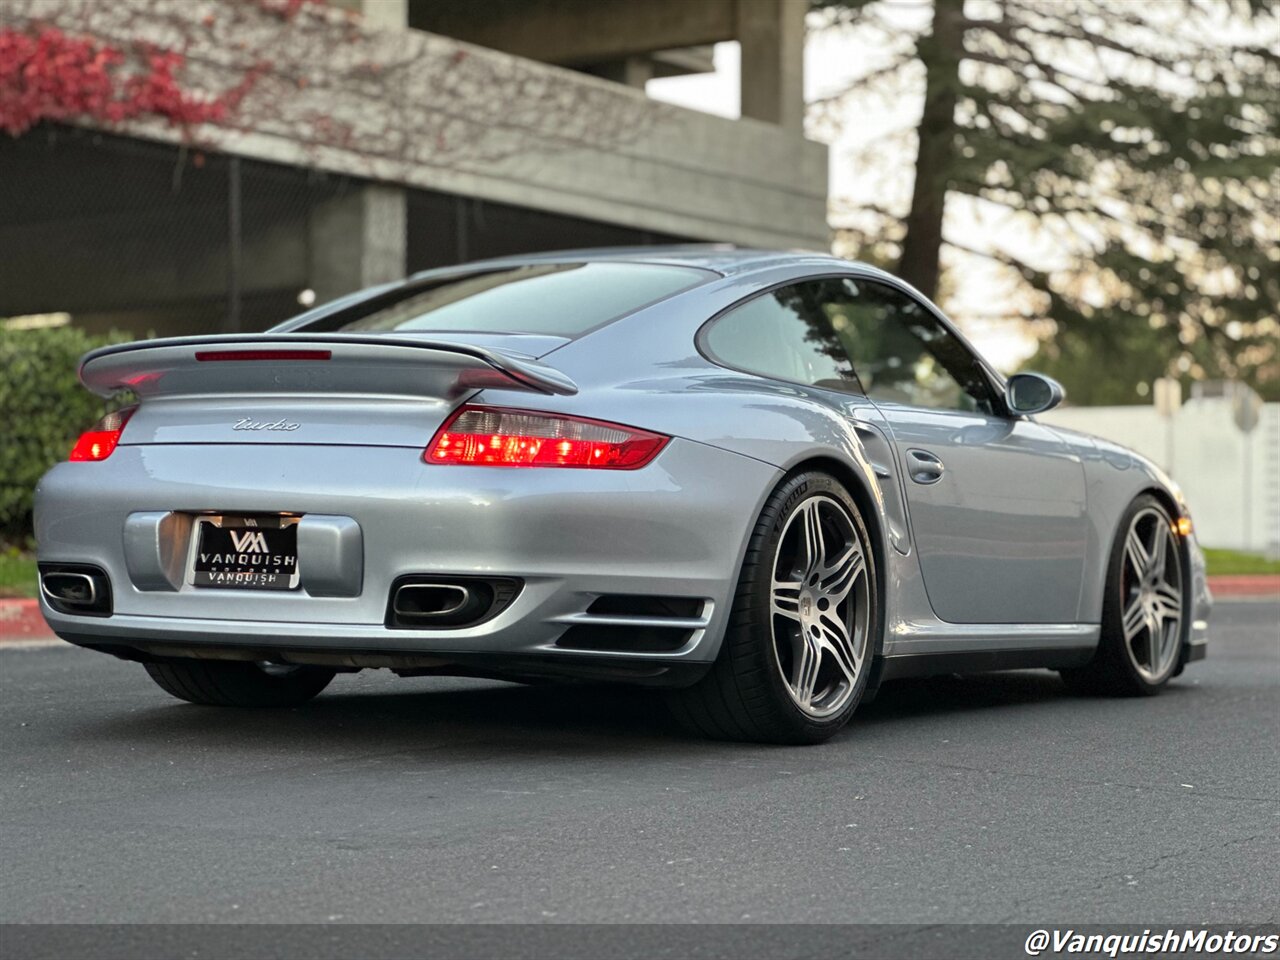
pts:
pixel 983 661
pixel 988 661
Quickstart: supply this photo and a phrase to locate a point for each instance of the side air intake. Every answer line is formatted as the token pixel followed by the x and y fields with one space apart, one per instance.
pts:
pixel 626 623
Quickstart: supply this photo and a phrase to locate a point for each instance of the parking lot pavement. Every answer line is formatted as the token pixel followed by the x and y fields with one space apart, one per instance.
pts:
pixel 980 799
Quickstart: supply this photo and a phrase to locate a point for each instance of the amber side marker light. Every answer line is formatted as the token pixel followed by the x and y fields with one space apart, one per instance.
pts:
pixel 1182 526
pixel 101 441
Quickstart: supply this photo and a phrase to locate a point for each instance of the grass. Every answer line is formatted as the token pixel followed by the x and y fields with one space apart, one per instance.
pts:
pixel 17 574
pixel 18 569
pixel 1233 562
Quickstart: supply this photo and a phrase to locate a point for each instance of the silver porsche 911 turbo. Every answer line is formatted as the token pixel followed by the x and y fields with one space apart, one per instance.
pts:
pixel 764 481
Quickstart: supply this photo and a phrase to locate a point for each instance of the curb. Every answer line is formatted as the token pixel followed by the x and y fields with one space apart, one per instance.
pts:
pixel 21 622
pixel 1246 585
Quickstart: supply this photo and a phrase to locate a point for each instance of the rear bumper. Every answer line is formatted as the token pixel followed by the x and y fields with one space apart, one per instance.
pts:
pixel 676 528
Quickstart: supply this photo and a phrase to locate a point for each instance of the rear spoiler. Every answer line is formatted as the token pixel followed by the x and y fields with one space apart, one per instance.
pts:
pixel 326 363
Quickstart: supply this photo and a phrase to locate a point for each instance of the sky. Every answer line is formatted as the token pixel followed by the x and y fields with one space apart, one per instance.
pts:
pixel 980 290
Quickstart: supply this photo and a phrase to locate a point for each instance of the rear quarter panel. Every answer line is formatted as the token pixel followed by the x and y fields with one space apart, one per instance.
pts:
pixel 646 371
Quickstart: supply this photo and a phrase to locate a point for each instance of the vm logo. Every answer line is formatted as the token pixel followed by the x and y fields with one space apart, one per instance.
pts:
pixel 249 541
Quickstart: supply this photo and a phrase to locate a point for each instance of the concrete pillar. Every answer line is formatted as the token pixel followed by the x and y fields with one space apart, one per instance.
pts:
pixel 771 33
pixel 633 71
pixel 357 240
pixel 378 14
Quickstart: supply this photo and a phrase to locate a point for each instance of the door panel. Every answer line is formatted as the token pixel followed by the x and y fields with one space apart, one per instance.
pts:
pixel 1000 528
pixel 995 504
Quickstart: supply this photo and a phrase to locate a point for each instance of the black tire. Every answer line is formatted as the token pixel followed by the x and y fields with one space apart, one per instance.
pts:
pixel 744 696
pixel 238 683
pixel 1114 669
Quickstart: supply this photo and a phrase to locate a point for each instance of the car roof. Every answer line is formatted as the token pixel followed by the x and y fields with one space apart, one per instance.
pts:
pixel 722 258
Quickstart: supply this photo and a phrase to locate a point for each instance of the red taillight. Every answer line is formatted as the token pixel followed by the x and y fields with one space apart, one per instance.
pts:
pixel 205 356
pixel 101 441
pixel 497 437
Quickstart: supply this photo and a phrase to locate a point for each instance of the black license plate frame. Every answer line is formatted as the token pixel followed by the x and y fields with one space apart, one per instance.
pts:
pixel 245 553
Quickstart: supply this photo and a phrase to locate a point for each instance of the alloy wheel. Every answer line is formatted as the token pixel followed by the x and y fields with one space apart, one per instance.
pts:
pixel 1151 594
pixel 819 606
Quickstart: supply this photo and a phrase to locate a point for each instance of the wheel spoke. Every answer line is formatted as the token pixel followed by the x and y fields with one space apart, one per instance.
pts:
pixel 1136 550
pixel 805 674
pixel 1168 601
pixel 838 578
pixel 815 548
pixel 839 643
pixel 1156 646
pixel 1159 554
pixel 785 599
pixel 1135 618
pixel 1170 594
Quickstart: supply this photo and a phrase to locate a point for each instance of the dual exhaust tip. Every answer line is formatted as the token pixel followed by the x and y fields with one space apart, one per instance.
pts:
pixel 417 602
pixel 426 603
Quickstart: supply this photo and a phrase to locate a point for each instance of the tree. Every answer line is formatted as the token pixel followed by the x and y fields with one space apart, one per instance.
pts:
pixel 1125 157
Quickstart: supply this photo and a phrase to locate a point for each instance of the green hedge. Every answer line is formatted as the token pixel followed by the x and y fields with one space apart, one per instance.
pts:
pixel 43 409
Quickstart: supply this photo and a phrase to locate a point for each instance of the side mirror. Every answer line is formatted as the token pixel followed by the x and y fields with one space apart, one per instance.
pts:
pixel 1030 393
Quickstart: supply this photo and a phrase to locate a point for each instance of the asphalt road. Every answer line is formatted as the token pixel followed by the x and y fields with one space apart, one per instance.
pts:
pixel 984 799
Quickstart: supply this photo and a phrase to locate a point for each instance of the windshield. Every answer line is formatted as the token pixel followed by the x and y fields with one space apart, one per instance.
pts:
pixel 557 299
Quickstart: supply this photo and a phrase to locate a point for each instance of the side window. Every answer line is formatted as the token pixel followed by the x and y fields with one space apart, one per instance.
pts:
pixel 786 333
pixel 904 354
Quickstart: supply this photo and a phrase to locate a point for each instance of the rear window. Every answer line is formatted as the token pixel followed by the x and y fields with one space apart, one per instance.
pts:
pixel 556 299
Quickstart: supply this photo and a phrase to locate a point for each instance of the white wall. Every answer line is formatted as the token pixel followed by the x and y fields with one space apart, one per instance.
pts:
pixel 1231 478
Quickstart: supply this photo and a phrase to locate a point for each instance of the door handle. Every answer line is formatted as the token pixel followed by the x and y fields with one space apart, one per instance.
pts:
pixel 924 467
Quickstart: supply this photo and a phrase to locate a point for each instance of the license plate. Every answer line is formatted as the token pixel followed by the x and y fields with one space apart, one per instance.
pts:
pixel 246 554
